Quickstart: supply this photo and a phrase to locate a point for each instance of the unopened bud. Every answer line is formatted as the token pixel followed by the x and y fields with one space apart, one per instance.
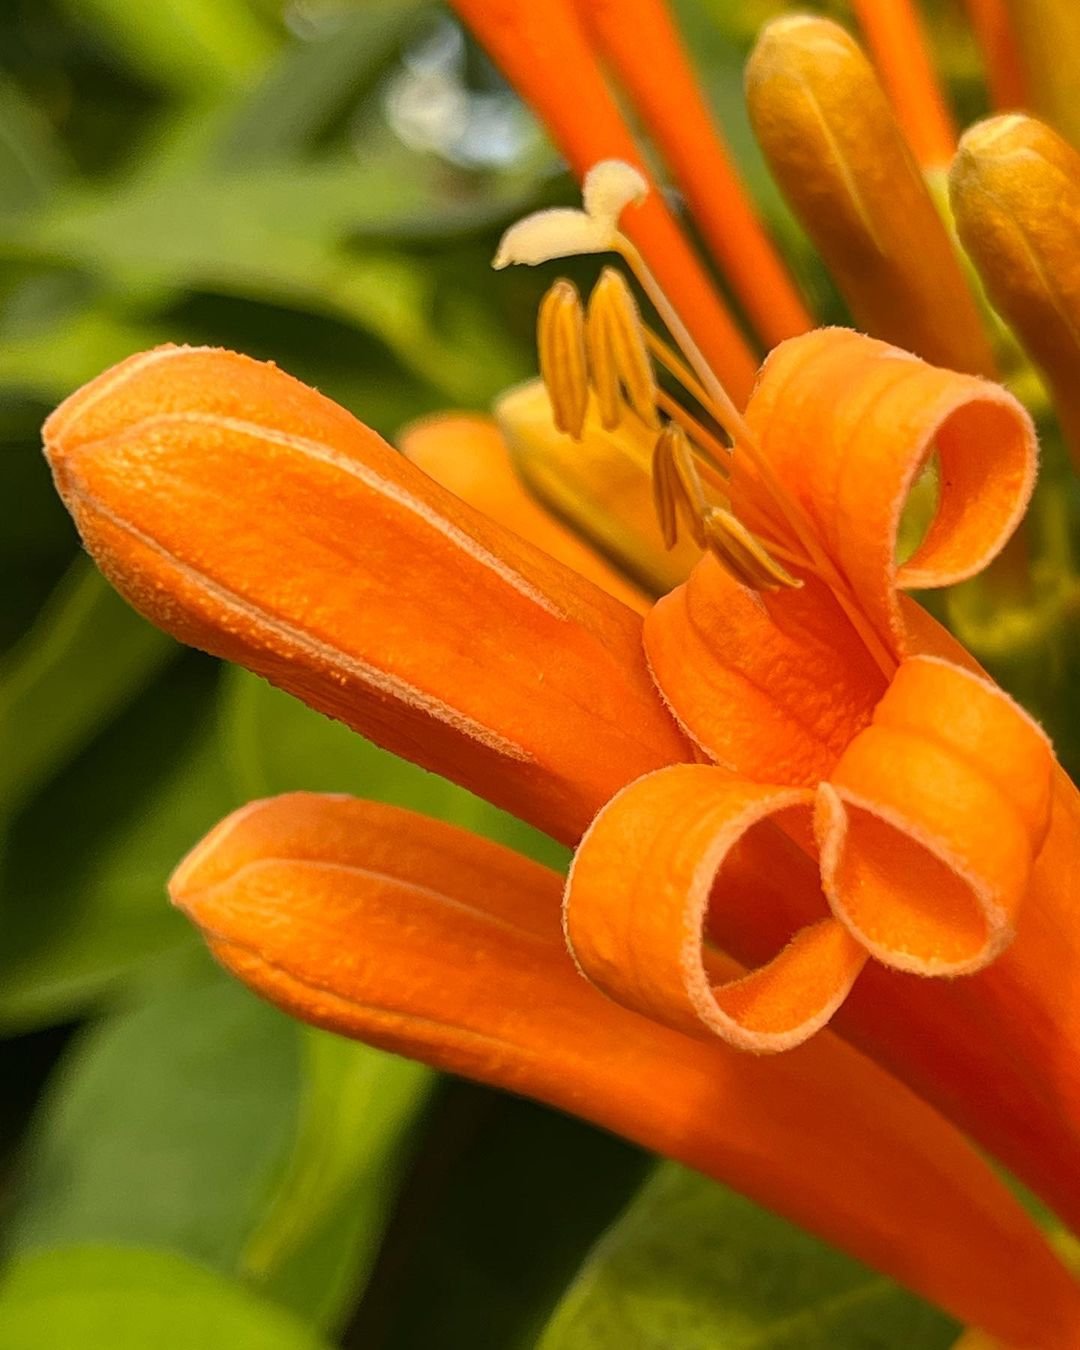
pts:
pixel 1015 191
pixel 834 146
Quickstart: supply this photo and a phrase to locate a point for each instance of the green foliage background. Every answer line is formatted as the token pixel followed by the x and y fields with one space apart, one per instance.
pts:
pixel 182 1165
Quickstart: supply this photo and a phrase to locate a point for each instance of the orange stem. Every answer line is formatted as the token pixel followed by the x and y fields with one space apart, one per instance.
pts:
pixel 896 38
pixel 544 52
pixel 643 45
pixel 1000 49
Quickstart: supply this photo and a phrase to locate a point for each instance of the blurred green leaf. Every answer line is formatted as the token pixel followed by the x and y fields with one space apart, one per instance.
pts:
pixel 311 81
pixel 190 47
pixel 50 362
pixel 279 234
pixel 272 743
pixel 120 1298
pixel 87 655
pixel 504 1201
pixel 165 1127
pixel 31 161
pixel 315 1244
pixel 83 905
pixel 693 1265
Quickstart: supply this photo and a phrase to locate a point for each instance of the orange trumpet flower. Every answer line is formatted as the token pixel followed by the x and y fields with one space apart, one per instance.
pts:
pixel 345 575
pixel 794 798
pixel 418 937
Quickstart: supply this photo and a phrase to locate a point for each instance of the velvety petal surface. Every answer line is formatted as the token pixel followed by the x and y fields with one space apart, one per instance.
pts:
pixel 249 516
pixel 635 913
pixel 468 455
pixel 847 424
pixel 419 938
pixel 771 686
pixel 930 824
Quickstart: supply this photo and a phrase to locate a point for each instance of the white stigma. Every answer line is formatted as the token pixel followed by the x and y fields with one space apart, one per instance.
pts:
pixel 609 188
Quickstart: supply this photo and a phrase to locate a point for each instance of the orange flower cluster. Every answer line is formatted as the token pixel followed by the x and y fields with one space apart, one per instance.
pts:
pixel 788 802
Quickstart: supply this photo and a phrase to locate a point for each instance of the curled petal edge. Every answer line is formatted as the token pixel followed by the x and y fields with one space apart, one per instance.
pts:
pixel 931 822
pixel 636 904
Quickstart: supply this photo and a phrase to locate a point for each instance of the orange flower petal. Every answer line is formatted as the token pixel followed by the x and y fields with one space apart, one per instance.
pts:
pixel 250 516
pixel 847 424
pixel 636 904
pixel 990 22
pixel 896 38
pixel 771 687
pixel 468 456
pixel 997 1052
pixel 932 821
pixel 544 53
pixel 642 43
pixel 418 938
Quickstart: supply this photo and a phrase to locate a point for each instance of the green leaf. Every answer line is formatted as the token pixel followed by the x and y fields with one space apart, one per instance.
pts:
pixel 311 81
pixel 284 234
pixel 88 654
pixel 272 743
pixel 191 47
pixel 121 1298
pixel 693 1265
pixel 48 362
pixel 504 1202
pixel 317 1240
pixel 165 1126
pixel 83 903
pixel 31 163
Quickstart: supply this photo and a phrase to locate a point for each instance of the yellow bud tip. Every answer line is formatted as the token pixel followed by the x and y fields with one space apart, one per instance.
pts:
pixel 993 134
pixel 796 37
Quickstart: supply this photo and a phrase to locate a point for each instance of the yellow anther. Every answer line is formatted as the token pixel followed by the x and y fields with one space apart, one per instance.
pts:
pixel 678 490
pixel 560 334
pixel 744 555
pixel 601 485
pixel 619 363
pixel 677 487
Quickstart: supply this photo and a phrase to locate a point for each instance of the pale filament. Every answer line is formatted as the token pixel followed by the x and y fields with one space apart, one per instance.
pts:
pixel 720 406
pixel 607 349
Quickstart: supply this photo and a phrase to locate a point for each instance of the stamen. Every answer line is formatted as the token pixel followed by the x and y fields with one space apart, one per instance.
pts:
pixel 679 492
pixel 618 357
pixel 532 241
pixel 673 363
pixel 719 401
pixel 715 453
pixel 744 556
pixel 677 487
pixel 560 333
